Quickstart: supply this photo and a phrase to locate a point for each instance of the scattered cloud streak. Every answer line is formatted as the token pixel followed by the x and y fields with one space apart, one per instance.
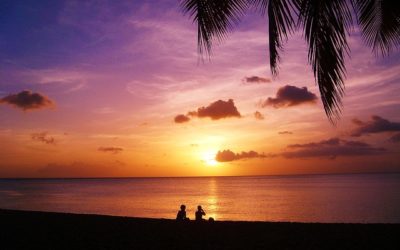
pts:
pixel 114 150
pixel 255 80
pixel 43 137
pixel 258 115
pixel 288 96
pixel 377 124
pixel 228 155
pixel 331 148
pixel 285 133
pixel 395 138
pixel 27 100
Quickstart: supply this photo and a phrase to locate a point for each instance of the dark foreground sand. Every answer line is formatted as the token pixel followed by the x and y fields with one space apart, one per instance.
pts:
pixel 40 230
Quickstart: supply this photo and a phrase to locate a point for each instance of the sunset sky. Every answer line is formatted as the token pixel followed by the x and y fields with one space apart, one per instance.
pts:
pixel 116 88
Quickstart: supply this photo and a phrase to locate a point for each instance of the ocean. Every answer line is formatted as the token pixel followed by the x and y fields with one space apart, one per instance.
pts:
pixel 347 198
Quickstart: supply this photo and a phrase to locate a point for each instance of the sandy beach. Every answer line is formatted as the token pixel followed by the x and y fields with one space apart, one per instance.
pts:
pixel 44 230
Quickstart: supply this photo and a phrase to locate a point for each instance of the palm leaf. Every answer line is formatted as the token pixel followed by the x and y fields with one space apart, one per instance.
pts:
pixel 326 24
pixel 380 24
pixel 280 23
pixel 214 18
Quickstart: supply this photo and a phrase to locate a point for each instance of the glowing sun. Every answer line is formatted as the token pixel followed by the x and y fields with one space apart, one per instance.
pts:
pixel 209 158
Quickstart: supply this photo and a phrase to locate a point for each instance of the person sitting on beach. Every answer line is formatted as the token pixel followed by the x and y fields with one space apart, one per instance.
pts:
pixel 181 216
pixel 199 213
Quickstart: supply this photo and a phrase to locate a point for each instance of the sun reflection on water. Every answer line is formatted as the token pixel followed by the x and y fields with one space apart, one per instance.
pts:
pixel 212 199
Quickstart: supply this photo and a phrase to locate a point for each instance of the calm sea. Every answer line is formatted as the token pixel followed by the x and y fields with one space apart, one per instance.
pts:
pixel 365 198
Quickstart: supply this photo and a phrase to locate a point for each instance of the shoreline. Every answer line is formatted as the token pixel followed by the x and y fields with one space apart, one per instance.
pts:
pixel 20 229
pixel 190 220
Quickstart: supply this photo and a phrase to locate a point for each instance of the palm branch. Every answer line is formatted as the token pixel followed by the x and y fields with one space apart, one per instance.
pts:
pixel 214 18
pixel 325 23
pixel 281 23
pixel 380 24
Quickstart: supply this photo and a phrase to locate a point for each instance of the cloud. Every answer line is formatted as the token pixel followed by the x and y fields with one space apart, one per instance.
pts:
pixel 357 122
pixel 181 118
pixel 144 124
pixel 258 115
pixel 285 132
pixel 120 163
pixel 228 155
pixel 27 100
pixel 395 138
pixel 113 150
pixel 255 80
pixel 104 111
pixel 289 96
pixel 217 110
pixel 377 124
pixel 331 148
pixel 43 137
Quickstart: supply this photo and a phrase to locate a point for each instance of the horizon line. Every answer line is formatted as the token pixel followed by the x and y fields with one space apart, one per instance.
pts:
pixel 191 176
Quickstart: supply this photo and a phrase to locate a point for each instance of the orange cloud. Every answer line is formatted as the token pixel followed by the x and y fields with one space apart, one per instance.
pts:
pixel 181 118
pixel 228 155
pixel 43 137
pixel 217 110
pixel 331 148
pixel 289 96
pixel 113 150
pixel 258 115
pixel 27 100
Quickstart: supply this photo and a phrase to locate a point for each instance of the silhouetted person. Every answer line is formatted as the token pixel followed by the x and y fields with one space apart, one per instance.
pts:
pixel 199 213
pixel 181 216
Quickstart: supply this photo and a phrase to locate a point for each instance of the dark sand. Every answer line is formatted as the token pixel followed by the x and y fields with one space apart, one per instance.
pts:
pixel 42 230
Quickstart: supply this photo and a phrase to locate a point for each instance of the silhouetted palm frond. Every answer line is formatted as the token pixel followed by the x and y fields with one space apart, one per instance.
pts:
pixel 326 24
pixel 380 23
pixel 280 23
pixel 214 19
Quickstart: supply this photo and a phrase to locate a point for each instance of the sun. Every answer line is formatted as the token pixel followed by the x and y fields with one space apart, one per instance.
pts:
pixel 209 158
